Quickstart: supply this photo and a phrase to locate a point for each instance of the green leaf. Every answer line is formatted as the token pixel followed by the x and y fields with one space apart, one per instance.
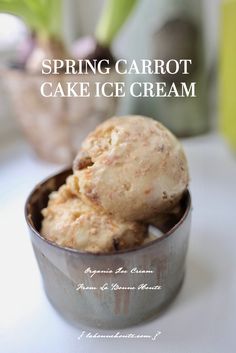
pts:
pixel 43 16
pixel 112 19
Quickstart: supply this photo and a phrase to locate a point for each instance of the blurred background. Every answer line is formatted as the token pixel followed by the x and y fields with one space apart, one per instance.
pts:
pixel 39 136
pixel 142 29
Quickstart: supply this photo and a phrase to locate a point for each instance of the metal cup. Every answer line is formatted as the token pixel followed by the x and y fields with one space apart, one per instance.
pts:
pixel 65 271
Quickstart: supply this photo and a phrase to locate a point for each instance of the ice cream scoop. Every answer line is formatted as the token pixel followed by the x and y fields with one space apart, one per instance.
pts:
pixel 69 222
pixel 131 167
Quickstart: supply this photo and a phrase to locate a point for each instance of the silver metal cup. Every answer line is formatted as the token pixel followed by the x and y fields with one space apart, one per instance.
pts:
pixel 63 270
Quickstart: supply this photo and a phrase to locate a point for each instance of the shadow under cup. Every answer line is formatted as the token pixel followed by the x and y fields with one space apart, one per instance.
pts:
pixel 133 285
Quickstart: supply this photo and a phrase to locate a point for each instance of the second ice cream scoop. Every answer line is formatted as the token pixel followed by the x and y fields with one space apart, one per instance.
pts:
pixel 69 222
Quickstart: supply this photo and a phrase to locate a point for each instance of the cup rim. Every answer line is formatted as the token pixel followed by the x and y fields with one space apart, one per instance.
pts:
pixel 88 253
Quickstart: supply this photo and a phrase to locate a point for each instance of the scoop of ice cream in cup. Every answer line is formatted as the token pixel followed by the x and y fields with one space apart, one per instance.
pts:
pixel 70 222
pixel 132 167
pixel 124 212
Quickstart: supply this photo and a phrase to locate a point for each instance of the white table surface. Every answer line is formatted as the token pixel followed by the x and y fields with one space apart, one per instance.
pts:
pixel 202 319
